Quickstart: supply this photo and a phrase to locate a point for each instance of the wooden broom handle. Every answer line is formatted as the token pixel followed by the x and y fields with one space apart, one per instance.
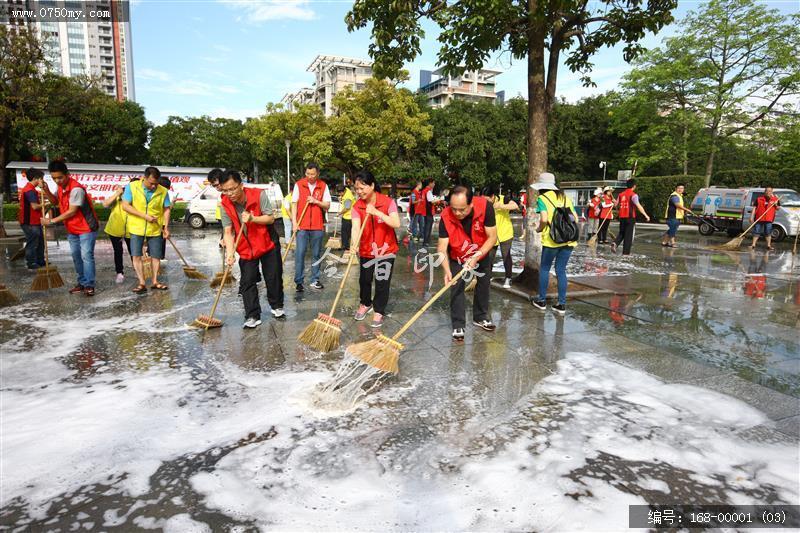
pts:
pixel 762 216
pixel 429 303
pixel 44 230
pixel 224 277
pixel 294 233
pixel 178 252
pixel 349 264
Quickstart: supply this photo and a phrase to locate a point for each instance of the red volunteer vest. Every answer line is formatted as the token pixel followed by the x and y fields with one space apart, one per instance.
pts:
pixel 376 231
pixel 463 246
pixel 607 212
pixel 593 203
pixel 314 218
pixel 626 207
pixel 256 241
pixel 421 206
pixel 762 207
pixel 27 214
pixel 85 219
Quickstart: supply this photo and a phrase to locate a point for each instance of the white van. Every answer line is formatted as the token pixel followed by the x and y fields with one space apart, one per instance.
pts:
pixel 202 208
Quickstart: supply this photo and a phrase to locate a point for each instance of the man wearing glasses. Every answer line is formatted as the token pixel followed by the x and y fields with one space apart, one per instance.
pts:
pixel 251 207
pixel 311 229
pixel 467 235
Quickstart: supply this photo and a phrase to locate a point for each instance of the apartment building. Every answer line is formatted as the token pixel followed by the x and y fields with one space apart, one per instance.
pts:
pixel 472 86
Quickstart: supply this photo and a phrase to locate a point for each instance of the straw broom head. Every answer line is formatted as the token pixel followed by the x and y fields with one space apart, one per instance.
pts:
pixel 206 322
pixel 7 297
pixel 218 279
pixel 381 353
pixel 55 278
pixel 322 334
pixel 193 273
pixel 46 278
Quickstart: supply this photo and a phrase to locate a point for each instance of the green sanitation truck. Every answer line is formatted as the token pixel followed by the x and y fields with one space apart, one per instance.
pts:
pixel 719 209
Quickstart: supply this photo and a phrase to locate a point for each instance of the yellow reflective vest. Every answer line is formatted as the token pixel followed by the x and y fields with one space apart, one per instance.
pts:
pixel 505 229
pixel 550 207
pixel 155 207
pixel 678 212
pixel 117 225
pixel 347 214
pixel 286 207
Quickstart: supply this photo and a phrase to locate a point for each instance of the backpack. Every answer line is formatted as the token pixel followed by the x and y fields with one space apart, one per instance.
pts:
pixel 563 227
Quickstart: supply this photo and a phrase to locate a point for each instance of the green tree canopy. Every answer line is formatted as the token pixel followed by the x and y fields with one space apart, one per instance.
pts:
pixel 201 142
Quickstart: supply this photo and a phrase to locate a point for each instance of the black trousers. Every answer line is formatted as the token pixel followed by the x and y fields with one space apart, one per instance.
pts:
pixel 505 252
pixel 116 243
pixel 626 229
pixel 426 238
pixel 270 264
pixel 366 274
pixel 602 232
pixel 480 301
pixel 347 227
pixel 275 231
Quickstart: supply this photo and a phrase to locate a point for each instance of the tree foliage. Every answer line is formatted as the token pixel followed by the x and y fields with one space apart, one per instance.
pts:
pixel 201 142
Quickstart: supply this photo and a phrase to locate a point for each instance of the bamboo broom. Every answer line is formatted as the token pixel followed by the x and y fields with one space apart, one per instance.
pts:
pixel 19 254
pixel 324 332
pixel 334 243
pixel 190 271
pixel 383 352
pixel 46 277
pixel 219 276
pixel 7 297
pixel 208 321
pixel 736 242
pixel 294 233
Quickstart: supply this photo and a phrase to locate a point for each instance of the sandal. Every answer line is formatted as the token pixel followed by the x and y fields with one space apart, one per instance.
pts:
pixel 139 289
pixel 88 291
pixel 159 287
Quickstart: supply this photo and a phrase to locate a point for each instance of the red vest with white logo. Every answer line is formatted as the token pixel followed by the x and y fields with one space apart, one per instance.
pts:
pixel 463 246
pixel 27 214
pixel 593 206
pixel 314 218
pixel 626 207
pixel 421 206
pixel 607 207
pixel 255 242
pixel 85 219
pixel 769 208
pixel 376 231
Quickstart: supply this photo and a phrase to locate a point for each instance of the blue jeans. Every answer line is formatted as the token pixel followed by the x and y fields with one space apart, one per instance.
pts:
pixel 34 245
pixel 561 257
pixel 417 225
pixel 82 248
pixel 672 226
pixel 304 236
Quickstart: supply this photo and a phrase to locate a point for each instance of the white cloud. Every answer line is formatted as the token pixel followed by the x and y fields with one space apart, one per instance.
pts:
pixel 182 86
pixel 151 74
pixel 239 114
pixel 265 10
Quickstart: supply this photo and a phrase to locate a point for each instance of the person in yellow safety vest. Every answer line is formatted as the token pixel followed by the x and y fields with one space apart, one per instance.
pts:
pixel 286 213
pixel 674 215
pixel 148 206
pixel 505 229
pixel 117 229
pixel 347 201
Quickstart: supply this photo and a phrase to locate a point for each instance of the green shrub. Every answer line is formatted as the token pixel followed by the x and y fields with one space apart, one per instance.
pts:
pixel 654 192
pixel 178 210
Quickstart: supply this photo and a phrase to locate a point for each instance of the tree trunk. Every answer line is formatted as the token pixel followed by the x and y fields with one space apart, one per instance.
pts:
pixel 685 154
pixel 711 154
pixel 537 149
pixel 5 150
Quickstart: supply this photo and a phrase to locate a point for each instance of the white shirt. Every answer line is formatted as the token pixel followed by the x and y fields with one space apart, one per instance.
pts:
pixel 326 195
pixel 429 196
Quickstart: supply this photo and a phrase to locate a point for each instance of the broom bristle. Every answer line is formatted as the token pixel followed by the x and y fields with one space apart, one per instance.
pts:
pixel 381 353
pixel 7 297
pixel 218 279
pixel 193 273
pixel 733 244
pixel 334 243
pixel 322 334
pixel 55 278
pixel 46 278
pixel 205 321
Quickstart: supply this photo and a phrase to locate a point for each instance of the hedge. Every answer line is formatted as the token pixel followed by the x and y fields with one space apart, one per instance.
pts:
pixel 178 210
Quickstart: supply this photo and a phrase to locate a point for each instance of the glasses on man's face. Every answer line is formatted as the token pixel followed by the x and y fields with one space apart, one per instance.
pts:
pixel 230 190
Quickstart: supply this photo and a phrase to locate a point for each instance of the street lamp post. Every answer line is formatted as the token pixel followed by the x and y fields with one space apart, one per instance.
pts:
pixel 603 166
pixel 288 184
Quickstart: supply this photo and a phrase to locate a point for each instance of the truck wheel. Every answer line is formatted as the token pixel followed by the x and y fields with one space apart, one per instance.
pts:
pixel 705 229
pixel 197 221
pixel 778 234
pixel 734 232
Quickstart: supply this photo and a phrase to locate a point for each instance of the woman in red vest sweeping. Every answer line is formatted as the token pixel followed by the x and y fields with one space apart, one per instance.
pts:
pixel 628 202
pixel 252 207
pixel 467 234
pixel 80 221
pixel 30 218
pixel 377 248
pixel 765 208
pixel 311 229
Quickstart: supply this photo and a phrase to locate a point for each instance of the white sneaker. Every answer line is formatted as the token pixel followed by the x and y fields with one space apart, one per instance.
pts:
pixel 120 278
pixel 277 313
pixel 507 283
pixel 458 334
pixel 252 323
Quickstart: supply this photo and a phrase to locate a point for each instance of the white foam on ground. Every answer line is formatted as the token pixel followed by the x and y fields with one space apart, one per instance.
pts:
pixel 488 473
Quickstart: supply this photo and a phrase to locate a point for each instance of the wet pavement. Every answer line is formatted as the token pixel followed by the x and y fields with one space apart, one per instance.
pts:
pixel 679 383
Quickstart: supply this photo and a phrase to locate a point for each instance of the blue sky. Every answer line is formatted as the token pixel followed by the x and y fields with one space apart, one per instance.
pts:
pixel 229 58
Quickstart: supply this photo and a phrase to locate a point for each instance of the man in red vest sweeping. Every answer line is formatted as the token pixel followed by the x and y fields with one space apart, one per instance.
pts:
pixel 80 221
pixel 30 218
pixel 467 234
pixel 765 208
pixel 628 202
pixel 251 207
pixel 424 207
pixel 311 229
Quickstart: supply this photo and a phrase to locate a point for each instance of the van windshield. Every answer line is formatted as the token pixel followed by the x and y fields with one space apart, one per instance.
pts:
pixel 789 198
